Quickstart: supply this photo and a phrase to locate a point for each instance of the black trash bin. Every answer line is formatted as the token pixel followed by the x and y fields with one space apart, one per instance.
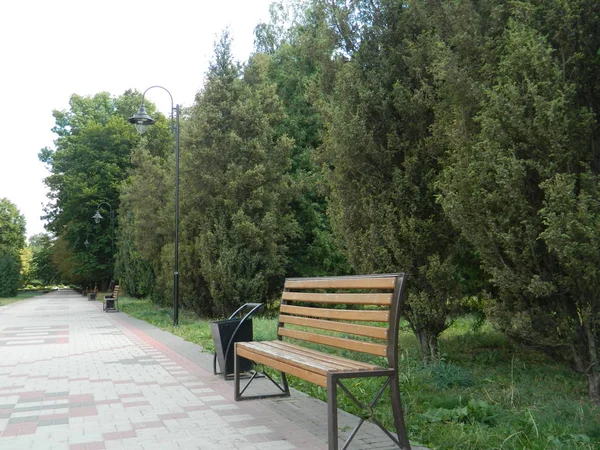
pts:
pixel 223 332
pixel 229 331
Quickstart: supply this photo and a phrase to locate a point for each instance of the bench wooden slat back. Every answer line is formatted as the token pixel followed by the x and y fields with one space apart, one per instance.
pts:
pixel 340 314
pixel 360 330
pixel 349 344
pixel 347 299
pixel 363 282
pixel 375 299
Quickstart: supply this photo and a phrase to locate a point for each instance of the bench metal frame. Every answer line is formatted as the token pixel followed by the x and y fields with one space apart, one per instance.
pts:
pixel 334 378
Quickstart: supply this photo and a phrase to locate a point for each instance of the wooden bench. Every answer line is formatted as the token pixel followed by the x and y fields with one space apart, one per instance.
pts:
pixel 354 313
pixel 111 302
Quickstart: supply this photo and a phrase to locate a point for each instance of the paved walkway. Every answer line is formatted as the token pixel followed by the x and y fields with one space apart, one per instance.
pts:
pixel 73 377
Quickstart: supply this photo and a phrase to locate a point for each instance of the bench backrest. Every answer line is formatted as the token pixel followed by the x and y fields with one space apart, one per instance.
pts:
pixel 357 307
pixel 116 291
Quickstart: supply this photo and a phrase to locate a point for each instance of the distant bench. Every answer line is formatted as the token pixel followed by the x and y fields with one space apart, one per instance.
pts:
pixel 325 311
pixel 111 302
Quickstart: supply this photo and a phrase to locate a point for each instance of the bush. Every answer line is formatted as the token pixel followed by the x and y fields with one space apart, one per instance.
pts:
pixel 9 274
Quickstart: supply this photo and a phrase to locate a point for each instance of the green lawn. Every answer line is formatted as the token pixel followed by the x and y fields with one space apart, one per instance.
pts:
pixel 485 393
pixel 21 296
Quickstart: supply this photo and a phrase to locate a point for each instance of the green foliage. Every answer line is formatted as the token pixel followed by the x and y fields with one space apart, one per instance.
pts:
pixel 445 375
pixel 9 273
pixel 134 273
pixel 145 257
pixel 476 412
pixel 12 242
pixel 12 227
pixel 571 215
pixel 25 259
pixel 300 68
pixel 42 267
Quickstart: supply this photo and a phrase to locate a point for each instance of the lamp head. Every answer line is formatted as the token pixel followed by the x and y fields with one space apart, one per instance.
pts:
pixel 97 217
pixel 142 120
pixel 86 243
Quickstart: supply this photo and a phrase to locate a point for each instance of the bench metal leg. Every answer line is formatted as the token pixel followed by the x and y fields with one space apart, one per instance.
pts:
pixel 110 304
pixel 398 412
pixel 332 417
pixel 334 379
pixel 238 392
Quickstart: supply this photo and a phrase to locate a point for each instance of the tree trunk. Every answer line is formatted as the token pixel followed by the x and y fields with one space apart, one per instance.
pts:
pixel 593 377
pixel 428 345
pixel 593 370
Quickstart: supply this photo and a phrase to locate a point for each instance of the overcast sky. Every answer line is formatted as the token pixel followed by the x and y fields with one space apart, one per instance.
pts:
pixel 51 49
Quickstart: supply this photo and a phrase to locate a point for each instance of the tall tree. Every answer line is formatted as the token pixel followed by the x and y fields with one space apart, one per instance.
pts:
pixel 90 160
pixel 42 268
pixel 12 227
pixel 235 188
pixel 382 164
pixel 12 242
pixel 522 185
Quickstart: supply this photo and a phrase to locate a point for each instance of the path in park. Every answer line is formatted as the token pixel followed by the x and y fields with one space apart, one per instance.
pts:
pixel 73 377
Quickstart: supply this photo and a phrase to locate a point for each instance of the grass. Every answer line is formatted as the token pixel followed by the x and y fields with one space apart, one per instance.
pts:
pixel 20 296
pixel 484 393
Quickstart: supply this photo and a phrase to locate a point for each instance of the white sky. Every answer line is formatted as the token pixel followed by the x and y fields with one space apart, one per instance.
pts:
pixel 51 49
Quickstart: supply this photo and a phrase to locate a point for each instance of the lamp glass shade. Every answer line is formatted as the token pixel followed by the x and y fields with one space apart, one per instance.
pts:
pixel 97 217
pixel 141 127
pixel 86 243
pixel 141 120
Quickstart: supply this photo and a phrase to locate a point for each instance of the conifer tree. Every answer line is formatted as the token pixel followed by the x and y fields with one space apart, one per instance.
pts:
pixel 234 187
pixel 521 181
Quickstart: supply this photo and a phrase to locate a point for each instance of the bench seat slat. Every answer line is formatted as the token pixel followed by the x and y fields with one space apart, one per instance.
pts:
pixel 364 282
pixel 343 327
pixel 340 314
pixel 342 299
pixel 299 372
pixel 297 358
pixel 327 357
pixel 297 361
pixel 350 344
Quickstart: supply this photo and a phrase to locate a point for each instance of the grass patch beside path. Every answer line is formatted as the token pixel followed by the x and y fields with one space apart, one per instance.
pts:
pixel 485 393
pixel 191 327
pixel 20 296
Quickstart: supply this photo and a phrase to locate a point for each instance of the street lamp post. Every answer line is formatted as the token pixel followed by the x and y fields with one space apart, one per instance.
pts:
pixel 142 121
pixel 97 218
